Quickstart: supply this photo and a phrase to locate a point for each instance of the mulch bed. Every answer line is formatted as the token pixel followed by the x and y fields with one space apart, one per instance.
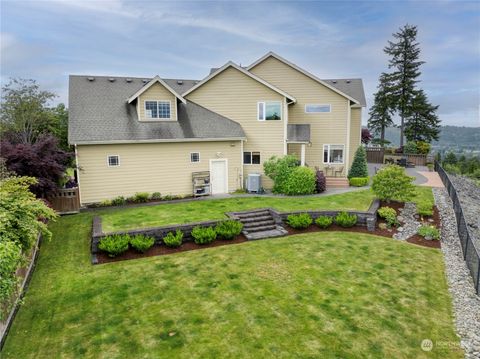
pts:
pixel 189 246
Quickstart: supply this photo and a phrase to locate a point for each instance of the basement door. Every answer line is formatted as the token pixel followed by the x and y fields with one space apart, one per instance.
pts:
pixel 219 175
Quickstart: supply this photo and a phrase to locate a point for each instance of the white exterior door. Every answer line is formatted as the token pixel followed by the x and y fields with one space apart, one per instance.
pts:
pixel 219 175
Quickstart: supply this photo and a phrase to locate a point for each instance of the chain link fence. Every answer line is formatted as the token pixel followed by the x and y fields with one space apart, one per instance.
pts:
pixel 471 252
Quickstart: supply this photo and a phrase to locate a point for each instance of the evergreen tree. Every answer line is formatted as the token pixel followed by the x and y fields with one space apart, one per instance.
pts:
pixel 422 123
pixel 359 165
pixel 404 61
pixel 381 111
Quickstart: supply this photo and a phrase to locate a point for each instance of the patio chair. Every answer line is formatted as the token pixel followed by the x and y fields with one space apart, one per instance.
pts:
pixel 338 170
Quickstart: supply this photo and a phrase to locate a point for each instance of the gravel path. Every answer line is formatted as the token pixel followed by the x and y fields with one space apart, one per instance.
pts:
pixel 466 304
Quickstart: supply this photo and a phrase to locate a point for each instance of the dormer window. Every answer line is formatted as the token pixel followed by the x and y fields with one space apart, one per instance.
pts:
pixel 157 110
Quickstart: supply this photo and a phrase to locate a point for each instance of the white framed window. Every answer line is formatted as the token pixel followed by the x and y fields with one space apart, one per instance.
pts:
pixel 251 158
pixel 317 108
pixel 157 110
pixel 269 111
pixel 113 160
pixel 333 153
pixel 194 157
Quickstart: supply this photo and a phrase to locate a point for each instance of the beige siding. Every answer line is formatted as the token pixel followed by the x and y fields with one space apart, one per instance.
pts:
pixel 355 131
pixel 157 93
pixel 235 95
pixel 326 128
pixel 159 167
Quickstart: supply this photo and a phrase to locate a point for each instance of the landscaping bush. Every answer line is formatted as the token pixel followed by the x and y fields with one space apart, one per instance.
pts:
pixel 228 229
pixel 321 183
pixel 429 232
pixel 389 214
pixel 392 183
pixel 423 147
pixel 141 197
pixel 343 219
pixel 173 240
pixel 300 181
pixel 299 221
pixel 358 181
pixel 114 244
pixel 324 221
pixel 410 147
pixel 10 260
pixel 204 235
pixel 424 209
pixel 106 203
pixel 156 196
pixel 359 165
pixel 141 242
pixel 279 169
pixel 119 201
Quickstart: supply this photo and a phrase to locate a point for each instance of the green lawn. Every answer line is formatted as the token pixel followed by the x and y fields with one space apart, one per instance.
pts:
pixel 323 295
pixel 164 214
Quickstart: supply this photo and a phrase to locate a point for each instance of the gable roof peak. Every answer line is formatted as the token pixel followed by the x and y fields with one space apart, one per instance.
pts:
pixel 154 80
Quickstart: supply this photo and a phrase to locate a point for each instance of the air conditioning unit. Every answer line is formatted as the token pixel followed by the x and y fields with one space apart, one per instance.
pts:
pixel 253 182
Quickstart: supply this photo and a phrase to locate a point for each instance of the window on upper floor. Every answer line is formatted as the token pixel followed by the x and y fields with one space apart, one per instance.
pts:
pixel 269 111
pixel 333 153
pixel 251 158
pixel 317 108
pixel 113 161
pixel 157 110
pixel 194 157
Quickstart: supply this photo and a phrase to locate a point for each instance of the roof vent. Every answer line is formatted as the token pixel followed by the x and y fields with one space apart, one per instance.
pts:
pixel 334 81
pixel 90 79
pixel 144 81
pixel 180 82
pixel 128 80
pixel 347 81
pixel 111 79
pixel 196 82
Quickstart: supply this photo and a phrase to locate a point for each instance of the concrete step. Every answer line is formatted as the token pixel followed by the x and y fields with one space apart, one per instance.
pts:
pixel 277 232
pixel 255 219
pixel 338 182
pixel 259 228
pixel 267 222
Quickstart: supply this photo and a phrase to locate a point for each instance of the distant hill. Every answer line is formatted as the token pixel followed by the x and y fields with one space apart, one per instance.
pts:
pixel 452 138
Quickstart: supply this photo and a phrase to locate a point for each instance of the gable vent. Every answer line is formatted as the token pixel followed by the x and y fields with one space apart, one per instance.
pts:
pixel 111 79
pixel 90 79
pixel 128 80
pixel 180 82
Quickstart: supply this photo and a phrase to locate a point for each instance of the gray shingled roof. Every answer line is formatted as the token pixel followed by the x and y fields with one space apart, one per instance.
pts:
pixel 98 112
pixel 298 133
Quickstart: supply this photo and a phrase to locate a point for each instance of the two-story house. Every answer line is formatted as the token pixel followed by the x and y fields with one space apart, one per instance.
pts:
pixel 149 135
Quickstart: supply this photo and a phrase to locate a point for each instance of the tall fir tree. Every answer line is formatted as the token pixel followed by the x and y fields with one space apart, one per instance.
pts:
pixel 422 122
pixel 404 60
pixel 381 111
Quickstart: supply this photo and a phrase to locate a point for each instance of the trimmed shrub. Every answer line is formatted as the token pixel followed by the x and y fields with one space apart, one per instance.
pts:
pixel 173 240
pixel 343 219
pixel 203 235
pixel 392 183
pixel 324 221
pixel 389 214
pixel 10 260
pixel 359 181
pixel 359 165
pixel 279 169
pixel 119 201
pixel 299 221
pixel 429 232
pixel 115 244
pixel 423 147
pixel 300 181
pixel 141 197
pixel 424 209
pixel 156 196
pixel 106 203
pixel 141 242
pixel 228 229
pixel 410 147
pixel 321 184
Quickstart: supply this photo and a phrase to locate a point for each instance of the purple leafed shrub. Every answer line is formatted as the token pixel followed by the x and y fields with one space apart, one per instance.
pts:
pixel 321 182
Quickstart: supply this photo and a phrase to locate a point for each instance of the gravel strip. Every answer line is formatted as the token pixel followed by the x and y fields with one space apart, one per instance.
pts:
pixel 466 304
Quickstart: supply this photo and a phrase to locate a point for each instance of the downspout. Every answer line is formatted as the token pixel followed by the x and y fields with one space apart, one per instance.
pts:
pixel 241 165
pixel 347 145
pixel 77 167
pixel 285 126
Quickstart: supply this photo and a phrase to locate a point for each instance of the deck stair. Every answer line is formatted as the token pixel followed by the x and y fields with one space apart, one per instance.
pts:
pixel 337 182
pixel 259 224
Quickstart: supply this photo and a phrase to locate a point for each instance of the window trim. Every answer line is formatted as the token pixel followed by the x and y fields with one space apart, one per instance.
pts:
pixel 264 103
pixel 108 160
pixel 191 153
pixel 146 118
pixel 318 104
pixel 328 147
pixel 251 158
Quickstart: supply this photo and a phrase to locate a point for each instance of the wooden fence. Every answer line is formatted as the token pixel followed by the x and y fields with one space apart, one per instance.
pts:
pixel 378 155
pixel 375 154
pixel 66 201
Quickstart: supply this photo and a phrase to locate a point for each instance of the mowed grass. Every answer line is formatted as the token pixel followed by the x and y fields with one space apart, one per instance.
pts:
pixel 202 210
pixel 317 295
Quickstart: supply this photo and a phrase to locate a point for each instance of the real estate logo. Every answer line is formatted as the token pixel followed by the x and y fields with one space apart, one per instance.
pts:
pixel 427 345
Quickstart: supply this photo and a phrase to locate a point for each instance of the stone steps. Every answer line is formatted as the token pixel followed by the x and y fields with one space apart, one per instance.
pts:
pixel 259 224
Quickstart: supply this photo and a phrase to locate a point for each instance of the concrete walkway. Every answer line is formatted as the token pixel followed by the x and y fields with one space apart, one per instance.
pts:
pixel 423 176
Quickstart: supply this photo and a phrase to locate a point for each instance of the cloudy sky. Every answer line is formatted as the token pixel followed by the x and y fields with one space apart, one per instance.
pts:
pixel 48 40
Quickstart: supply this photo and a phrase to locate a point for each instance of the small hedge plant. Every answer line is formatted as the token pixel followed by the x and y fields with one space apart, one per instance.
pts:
pixel 203 235
pixel 324 221
pixel 424 209
pixel 141 197
pixel 156 196
pixel 228 229
pixel 119 201
pixel 359 181
pixel 173 239
pixel 389 214
pixel 343 219
pixel 429 232
pixel 141 242
pixel 114 244
pixel 299 221
pixel 392 183
pixel 300 181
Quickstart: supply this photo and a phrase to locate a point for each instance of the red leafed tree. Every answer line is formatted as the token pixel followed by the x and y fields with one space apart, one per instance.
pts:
pixel 42 159
pixel 366 136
